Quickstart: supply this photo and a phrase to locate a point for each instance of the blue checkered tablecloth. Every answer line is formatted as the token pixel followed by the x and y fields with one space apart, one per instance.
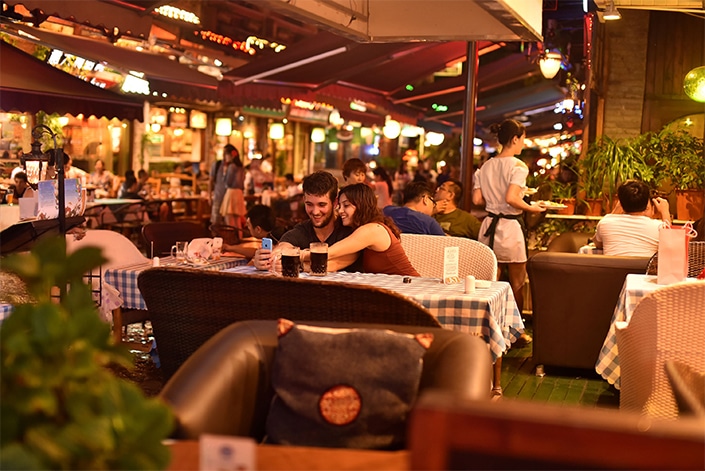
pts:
pixel 635 287
pixel 5 311
pixel 490 313
pixel 124 279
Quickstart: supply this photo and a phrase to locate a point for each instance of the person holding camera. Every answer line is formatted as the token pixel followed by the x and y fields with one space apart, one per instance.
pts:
pixel 633 226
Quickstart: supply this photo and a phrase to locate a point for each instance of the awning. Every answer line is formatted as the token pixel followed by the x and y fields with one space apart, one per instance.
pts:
pixel 177 81
pixel 109 16
pixel 29 85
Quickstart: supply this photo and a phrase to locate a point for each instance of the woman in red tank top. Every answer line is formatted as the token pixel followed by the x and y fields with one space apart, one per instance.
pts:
pixel 375 234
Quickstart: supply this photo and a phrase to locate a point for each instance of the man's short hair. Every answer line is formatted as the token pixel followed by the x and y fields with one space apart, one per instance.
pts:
pixel 352 166
pixel 457 188
pixel 634 196
pixel 262 216
pixel 321 183
pixel 414 191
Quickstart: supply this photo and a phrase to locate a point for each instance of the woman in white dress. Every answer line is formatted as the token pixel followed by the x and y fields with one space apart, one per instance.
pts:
pixel 500 185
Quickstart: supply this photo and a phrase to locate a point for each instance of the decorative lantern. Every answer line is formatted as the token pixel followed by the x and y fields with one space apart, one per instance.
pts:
pixel 694 84
pixel 276 131
pixel 223 126
pixel 318 135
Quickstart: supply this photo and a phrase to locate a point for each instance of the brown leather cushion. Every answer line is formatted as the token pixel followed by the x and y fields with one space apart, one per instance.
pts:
pixel 349 388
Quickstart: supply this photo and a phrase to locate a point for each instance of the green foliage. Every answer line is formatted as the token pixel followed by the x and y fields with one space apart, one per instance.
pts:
pixel 561 190
pixel 61 407
pixel 608 163
pixel 52 122
pixel 552 228
pixel 679 156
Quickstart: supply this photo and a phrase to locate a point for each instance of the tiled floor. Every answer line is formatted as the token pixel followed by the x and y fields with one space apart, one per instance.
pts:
pixel 558 385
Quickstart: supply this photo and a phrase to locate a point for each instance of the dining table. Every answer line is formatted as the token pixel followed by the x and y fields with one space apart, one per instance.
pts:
pixel 635 287
pixel 124 278
pixel 185 455
pixel 489 312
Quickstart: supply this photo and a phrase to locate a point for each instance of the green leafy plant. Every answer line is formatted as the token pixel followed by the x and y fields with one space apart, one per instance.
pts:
pixel 679 156
pixel 561 190
pixel 609 162
pixel 61 407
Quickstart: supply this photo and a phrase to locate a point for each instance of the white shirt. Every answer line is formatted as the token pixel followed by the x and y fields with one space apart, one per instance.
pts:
pixel 628 235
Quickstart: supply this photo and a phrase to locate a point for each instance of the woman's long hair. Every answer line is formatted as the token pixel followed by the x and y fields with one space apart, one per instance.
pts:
pixel 382 173
pixel 366 211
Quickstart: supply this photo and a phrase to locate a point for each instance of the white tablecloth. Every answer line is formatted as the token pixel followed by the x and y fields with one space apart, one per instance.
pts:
pixel 634 289
pixel 490 313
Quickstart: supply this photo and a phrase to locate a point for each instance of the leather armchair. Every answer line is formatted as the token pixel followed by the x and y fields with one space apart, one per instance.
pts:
pixel 224 387
pixel 573 299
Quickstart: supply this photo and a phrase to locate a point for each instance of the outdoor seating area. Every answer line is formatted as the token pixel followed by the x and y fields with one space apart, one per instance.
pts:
pixel 352 235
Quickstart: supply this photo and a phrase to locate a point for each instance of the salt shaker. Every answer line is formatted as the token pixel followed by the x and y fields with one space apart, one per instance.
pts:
pixel 155 262
pixel 469 284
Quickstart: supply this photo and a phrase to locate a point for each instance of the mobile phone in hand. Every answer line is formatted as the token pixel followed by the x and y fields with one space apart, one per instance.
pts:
pixel 267 243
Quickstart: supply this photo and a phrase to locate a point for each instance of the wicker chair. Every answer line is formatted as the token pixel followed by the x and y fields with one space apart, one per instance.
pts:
pixel 119 251
pixel 666 325
pixel 161 236
pixel 425 253
pixel 187 307
pixel 696 260
pixel 688 387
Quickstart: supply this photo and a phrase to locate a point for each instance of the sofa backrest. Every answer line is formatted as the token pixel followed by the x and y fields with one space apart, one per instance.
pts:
pixel 573 298
pixel 187 307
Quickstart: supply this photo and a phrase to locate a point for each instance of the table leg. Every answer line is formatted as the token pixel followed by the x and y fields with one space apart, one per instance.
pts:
pixel 497 377
pixel 117 325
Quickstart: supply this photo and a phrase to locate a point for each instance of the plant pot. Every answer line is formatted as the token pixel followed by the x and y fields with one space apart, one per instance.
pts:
pixel 690 204
pixel 570 203
pixel 593 207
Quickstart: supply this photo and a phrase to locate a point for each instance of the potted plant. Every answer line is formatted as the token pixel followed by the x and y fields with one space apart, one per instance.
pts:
pixel 609 162
pixel 682 161
pixel 564 193
pixel 62 408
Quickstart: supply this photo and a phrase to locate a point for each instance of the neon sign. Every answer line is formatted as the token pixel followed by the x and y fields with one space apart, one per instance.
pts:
pixel 248 46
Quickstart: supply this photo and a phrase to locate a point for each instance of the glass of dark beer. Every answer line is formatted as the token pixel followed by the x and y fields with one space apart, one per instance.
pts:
pixel 291 262
pixel 319 258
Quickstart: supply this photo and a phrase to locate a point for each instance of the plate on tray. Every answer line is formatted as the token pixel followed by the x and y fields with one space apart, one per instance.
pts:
pixel 549 204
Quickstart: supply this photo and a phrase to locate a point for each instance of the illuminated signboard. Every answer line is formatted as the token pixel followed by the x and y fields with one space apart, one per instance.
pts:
pixel 248 46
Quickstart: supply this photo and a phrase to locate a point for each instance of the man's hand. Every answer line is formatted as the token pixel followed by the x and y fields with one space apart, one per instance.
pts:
pixel 262 259
pixel 662 209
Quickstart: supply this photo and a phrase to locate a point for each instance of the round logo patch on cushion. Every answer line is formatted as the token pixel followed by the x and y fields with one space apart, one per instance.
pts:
pixel 340 405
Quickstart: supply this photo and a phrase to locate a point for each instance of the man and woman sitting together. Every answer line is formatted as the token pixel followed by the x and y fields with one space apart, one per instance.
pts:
pixel 360 238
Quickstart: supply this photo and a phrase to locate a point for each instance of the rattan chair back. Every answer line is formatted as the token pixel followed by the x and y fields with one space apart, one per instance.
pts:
pixel 666 325
pixel 696 260
pixel 187 307
pixel 161 236
pixel 425 253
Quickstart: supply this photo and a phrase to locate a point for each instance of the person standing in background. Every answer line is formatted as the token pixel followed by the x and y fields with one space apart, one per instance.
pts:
pixel 401 178
pixel 384 189
pixel 218 186
pixel 499 186
pixel 233 207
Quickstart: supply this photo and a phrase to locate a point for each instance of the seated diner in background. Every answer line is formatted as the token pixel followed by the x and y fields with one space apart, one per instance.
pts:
pixel 261 223
pixel 320 198
pixel 103 180
pixel 454 221
pixel 375 234
pixel 415 217
pixel 632 229
pixel 22 187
